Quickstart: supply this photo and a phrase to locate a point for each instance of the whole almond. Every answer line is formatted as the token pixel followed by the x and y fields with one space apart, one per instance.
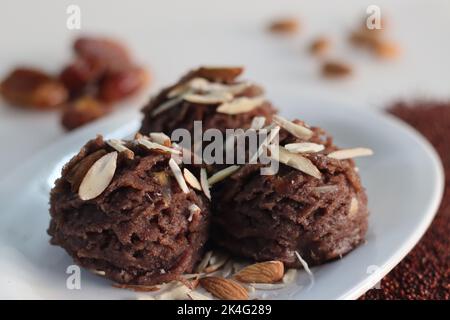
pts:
pixel 285 25
pixel 334 69
pixel 224 288
pixel 263 272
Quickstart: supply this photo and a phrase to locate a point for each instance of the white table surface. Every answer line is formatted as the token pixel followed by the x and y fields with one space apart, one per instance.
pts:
pixel 172 36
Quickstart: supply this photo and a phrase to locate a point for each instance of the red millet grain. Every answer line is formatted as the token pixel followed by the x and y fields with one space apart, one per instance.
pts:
pixel 425 272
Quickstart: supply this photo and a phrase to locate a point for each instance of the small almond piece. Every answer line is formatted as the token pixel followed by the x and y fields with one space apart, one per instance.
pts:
pixel 79 170
pixel 118 145
pixel 161 138
pixel 293 128
pixel 240 105
pixel 224 288
pixel 178 176
pixel 350 153
pixel 222 174
pixel 263 272
pixel 214 97
pixel 98 177
pixel 297 161
pixel 204 183
pixel 191 179
pixel 304 147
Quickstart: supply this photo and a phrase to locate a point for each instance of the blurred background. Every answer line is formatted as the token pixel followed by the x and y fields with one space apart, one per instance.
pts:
pixel 170 37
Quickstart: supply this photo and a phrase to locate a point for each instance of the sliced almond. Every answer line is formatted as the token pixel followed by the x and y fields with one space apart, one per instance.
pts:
pixel 263 272
pixel 204 262
pixel 193 209
pixel 258 123
pixel 268 286
pixel 304 147
pixel 160 138
pixel 305 266
pixel 153 145
pixel 224 288
pixel 273 133
pixel 297 161
pixel 100 273
pixel 293 128
pixel 240 105
pixel 214 97
pixel 98 177
pixel 354 206
pixel 191 179
pixel 178 175
pixel 204 183
pixel 119 146
pixel 180 292
pixel 222 174
pixel 290 276
pixel 78 172
pixel 166 105
pixel 350 153
pixel 198 296
pixel 217 260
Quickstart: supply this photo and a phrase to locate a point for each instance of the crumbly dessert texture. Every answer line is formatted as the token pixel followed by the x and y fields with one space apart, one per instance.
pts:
pixel 212 95
pixel 139 229
pixel 315 206
pixel 130 211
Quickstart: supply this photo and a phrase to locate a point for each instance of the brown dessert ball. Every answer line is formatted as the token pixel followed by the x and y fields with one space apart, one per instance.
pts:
pixel 198 96
pixel 321 215
pixel 119 209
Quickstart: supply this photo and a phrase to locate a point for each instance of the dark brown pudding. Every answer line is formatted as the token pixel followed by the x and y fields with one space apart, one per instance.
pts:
pixel 137 224
pixel 321 214
pixel 198 96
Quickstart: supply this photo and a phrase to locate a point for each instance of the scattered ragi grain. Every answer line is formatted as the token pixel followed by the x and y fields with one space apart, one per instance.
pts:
pixel 425 272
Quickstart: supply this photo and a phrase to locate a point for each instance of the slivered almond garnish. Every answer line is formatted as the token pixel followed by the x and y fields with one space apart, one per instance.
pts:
pixel 297 161
pixel 179 292
pixel 273 133
pixel 178 175
pixel 166 105
pixel 224 288
pixel 290 276
pixel 213 97
pixel 263 272
pixel 204 262
pixel 98 177
pixel 204 183
pixel 222 174
pixel 324 189
pixel 153 145
pixel 79 170
pixel 98 272
pixel 193 209
pixel 350 153
pixel 354 206
pixel 191 179
pixel 293 128
pixel 198 296
pixel 304 147
pixel 161 138
pixel 305 266
pixel 258 123
pixel 217 260
pixel 240 105
pixel 118 145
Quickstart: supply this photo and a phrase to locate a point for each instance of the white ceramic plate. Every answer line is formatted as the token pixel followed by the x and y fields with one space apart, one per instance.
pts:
pixel 404 181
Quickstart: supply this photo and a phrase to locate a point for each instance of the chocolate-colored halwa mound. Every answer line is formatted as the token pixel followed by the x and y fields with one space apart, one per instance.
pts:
pixel 315 204
pixel 120 208
pixel 212 95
